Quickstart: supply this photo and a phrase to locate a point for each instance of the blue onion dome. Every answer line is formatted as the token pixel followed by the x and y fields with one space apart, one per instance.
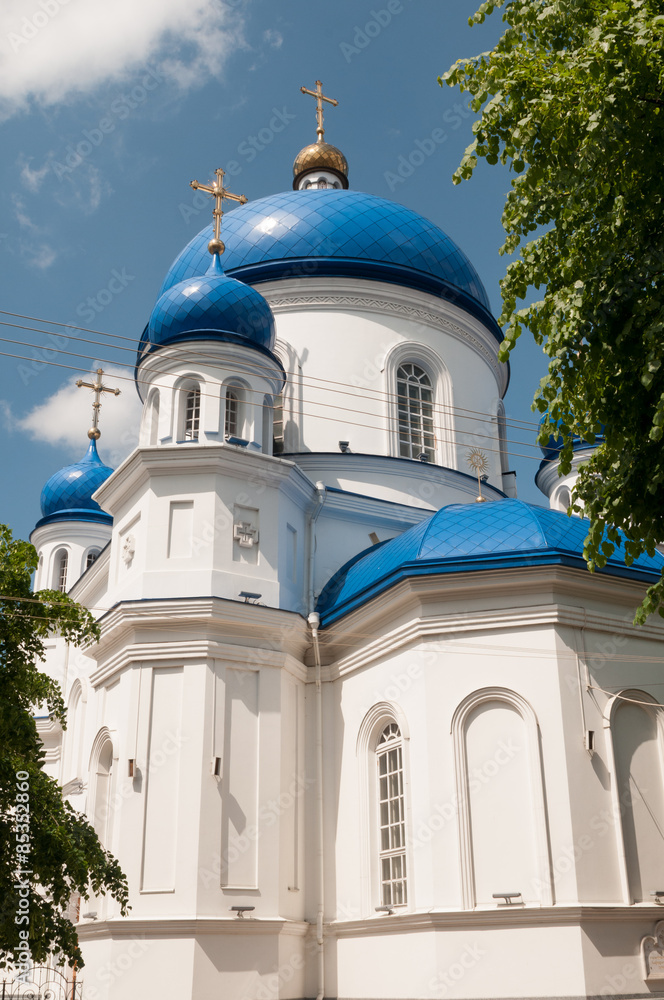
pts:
pixel 460 538
pixel 67 496
pixel 211 306
pixel 332 232
pixel 554 446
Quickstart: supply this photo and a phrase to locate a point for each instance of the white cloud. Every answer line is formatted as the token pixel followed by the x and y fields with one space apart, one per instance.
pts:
pixel 33 179
pixel 54 50
pixel 273 38
pixel 32 244
pixel 64 418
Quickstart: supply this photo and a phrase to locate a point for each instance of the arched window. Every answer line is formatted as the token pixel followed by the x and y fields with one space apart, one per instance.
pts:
pixel 61 563
pixel 415 412
pixel 232 415
pixel 278 425
pixel 153 432
pixel 92 556
pixel 391 817
pixel 564 498
pixel 192 414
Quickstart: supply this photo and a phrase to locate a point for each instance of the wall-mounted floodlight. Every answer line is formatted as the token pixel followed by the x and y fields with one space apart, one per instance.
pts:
pixel 423 457
pixel 344 447
pixel 241 910
pixel 384 909
pixel 659 895
pixel 92 915
pixel 248 596
pixel 239 442
pixel 507 896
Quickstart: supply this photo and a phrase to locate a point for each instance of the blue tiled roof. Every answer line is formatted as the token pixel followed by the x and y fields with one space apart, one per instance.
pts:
pixel 466 537
pixel 332 232
pixel 68 493
pixel 211 306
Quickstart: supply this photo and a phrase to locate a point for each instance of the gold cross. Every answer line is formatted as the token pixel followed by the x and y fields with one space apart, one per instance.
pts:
pixel 320 97
pixel 94 433
pixel 218 192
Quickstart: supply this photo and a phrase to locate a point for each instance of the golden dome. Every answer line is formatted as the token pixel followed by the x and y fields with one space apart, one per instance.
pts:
pixel 321 156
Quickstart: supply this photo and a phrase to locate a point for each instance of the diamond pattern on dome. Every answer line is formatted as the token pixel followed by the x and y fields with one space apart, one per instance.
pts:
pixel 462 537
pixel 71 488
pixel 212 303
pixel 346 225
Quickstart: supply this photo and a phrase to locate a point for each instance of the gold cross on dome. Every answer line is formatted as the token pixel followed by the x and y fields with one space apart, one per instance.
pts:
pixel 320 97
pixel 218 192
pixel 98 387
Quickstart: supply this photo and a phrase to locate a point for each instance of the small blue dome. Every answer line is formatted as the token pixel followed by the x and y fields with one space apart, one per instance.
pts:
pixel 212 306
pixel 554 446
pixel 67 496
pixel 475 536
pixel 339 233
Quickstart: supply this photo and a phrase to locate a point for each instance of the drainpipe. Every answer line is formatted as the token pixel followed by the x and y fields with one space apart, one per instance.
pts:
pixel 314 622
pixel 321 493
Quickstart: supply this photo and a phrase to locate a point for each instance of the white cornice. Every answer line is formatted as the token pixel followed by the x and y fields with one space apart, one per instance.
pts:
pixel 206 628
pixel 196 459
pixel 189 927
pixel 380 297
pixel 548 477
pixel 414 599
pixel 496 917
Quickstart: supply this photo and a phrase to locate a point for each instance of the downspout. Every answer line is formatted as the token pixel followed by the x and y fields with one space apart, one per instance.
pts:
pixel 321 493
pixel 314 622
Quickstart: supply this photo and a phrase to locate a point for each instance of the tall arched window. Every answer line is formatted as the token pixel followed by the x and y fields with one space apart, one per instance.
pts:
pixel 91 557
pixel 415 412
pixel 278 425
pixel 153 437
pixel 232 415
pixel 61 563
pixel 192 414
pixel 391 819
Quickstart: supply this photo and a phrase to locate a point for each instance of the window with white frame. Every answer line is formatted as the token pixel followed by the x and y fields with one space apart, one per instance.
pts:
pixel 391 817
pixel 61 563
pixel 192 414
pixel 232 415
pixel 91 557
pixel 278 424
pixel 415 402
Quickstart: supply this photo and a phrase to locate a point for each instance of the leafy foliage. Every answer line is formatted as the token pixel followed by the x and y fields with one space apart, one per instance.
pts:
pixel 65 856
pixel 572 100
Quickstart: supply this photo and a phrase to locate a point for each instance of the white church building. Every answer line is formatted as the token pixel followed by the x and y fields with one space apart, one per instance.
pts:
pixel 360 723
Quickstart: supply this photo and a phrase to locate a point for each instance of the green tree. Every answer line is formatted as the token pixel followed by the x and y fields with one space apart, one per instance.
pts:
pixel 572 100
pixel 49 852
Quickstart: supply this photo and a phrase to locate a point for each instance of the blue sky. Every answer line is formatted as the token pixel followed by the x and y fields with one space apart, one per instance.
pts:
pixel 107 111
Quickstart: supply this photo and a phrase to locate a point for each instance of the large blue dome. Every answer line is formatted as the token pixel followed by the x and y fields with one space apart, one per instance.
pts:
pixel 67 496
pixel 211 306
pixel 473 536
pixel 346 233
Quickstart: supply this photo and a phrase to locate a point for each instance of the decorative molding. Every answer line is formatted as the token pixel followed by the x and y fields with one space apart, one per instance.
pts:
pixel 281 301
pixel 652 955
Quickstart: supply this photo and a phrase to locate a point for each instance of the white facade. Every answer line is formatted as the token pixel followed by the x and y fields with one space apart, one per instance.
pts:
pixel 197 723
